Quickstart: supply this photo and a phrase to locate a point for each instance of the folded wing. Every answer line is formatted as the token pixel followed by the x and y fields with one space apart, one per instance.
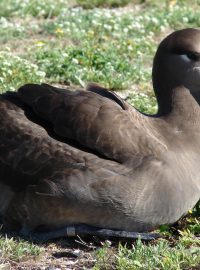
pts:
pixel 97 119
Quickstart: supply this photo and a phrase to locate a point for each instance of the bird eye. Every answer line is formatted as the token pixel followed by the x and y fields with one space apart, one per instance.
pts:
pixel 188 57
pixel 192 56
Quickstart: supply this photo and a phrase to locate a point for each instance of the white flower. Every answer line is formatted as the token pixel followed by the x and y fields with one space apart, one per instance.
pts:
pixel 185 19
pixel 155 20
pixel 75 61
pixel 108 27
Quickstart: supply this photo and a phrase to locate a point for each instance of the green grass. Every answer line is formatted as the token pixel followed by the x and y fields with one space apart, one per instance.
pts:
pixel 179 250
pixel 102 3
pixel 16 250
pixel 36 8
pixel 76 45
pixel 16 71
pixel 159 255
pixel 69 42
pixel 143 102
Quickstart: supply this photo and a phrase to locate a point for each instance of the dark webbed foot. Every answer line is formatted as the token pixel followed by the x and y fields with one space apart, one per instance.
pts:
pixel 86 230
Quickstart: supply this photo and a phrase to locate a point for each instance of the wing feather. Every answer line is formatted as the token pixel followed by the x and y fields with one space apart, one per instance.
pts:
pixel 97 119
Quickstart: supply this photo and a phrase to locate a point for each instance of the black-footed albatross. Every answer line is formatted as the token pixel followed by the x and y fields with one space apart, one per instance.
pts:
pixel 88 157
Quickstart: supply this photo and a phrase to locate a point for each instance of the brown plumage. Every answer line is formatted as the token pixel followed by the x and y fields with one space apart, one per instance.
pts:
pixel 87 157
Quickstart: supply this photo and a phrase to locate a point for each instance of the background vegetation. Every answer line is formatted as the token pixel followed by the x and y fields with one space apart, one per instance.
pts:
pixel 112 42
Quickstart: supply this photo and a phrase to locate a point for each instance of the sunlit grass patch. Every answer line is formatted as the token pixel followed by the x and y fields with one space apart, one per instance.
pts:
pixel 159 255
pixel 103 3
pixel 9 30
pixel 143 102
pixel 37 8
pixel 16 71
pixel 118 24
pixel 94 33
pixel 79 65
pixel 18 250
pixel 84 40
pixel 106 23
pixel 51 8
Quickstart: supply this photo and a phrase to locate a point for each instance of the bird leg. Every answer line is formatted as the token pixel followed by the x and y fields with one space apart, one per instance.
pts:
pixel 86 230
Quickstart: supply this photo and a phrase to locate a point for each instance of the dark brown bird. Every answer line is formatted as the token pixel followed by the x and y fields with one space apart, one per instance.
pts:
pixel 88 157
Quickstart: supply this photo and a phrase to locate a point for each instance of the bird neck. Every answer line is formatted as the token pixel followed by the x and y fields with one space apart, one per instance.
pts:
pixel 164 98
pixel 163 83
pixel 174 100
pixel 185 111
